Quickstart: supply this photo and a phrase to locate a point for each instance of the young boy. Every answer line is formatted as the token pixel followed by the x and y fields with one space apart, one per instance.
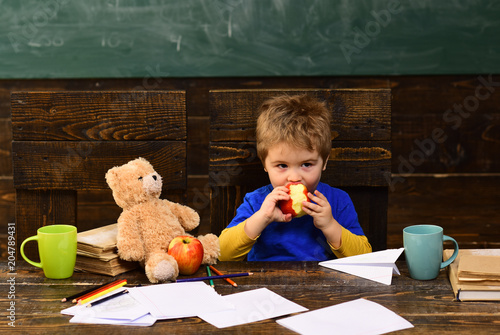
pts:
pixel 293 143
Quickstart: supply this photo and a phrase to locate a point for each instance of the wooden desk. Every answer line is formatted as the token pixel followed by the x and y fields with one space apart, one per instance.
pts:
pixel 429 306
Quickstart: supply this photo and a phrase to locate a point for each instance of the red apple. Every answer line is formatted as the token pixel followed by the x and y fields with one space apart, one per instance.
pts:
pixel 188 252
pixel 298 194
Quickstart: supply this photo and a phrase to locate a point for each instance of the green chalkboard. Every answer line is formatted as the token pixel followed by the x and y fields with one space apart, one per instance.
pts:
pixel 202 38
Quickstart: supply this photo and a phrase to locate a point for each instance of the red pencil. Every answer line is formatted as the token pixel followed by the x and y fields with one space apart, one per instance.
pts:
pixel 100 289
pixel 220 274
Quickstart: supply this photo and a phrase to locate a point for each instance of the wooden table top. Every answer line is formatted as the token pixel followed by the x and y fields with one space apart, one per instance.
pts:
pixel 428 305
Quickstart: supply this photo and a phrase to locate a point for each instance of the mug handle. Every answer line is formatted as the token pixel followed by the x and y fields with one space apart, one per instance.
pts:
pixel 32 238
pixel 455 253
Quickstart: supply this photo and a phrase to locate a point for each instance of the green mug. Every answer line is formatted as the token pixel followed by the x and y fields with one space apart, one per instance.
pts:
pixel 57 250
pixel 424 251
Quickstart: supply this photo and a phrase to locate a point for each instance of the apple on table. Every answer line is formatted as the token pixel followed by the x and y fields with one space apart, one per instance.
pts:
pixel 188 252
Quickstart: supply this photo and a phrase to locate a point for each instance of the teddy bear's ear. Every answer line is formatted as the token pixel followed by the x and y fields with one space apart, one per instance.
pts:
pixel 112 177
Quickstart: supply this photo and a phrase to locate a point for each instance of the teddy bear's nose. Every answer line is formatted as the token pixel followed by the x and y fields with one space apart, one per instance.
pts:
pixel 154 177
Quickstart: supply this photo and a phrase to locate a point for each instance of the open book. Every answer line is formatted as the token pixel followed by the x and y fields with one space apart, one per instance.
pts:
pixel 474 287
pixel 96 252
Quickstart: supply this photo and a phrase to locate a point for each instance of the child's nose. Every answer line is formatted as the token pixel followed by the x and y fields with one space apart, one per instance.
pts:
pixel 294 177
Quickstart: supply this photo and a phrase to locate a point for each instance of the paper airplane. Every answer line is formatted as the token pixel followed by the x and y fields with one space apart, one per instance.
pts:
pixel 378 266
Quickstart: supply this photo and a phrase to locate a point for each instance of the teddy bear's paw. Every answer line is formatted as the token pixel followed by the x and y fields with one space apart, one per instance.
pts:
pixel 211 248
pixel 165 271
pixel 188 217
pixel 130 253
pixel 161 267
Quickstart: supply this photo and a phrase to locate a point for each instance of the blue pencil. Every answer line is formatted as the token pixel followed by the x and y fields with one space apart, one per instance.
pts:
pixel 214 277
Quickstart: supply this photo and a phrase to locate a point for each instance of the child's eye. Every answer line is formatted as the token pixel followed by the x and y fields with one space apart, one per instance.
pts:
pixel 282 166
pixel 140 178
pixel 307 165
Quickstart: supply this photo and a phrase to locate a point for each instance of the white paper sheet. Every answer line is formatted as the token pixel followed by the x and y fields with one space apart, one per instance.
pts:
pixel 145 321
pixel 177 300
pixel 108 306
pixel 123 309
pixel 252 306
pixel 378 266
pixel 354 317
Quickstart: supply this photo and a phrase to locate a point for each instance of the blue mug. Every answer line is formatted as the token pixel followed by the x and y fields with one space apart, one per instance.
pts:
pixel 424 251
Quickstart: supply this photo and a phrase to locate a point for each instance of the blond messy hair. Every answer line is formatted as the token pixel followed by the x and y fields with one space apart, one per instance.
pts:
pixel 299 120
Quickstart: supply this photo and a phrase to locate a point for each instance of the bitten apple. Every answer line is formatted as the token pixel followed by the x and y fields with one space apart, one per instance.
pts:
pixel 188 252
pixel 298 194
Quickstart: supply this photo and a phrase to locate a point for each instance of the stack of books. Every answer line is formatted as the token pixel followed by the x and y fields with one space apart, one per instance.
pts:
pixel 475 274
pixel 97 253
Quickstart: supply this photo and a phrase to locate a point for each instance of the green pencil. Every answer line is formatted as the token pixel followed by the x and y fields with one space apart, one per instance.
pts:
pixel 210 275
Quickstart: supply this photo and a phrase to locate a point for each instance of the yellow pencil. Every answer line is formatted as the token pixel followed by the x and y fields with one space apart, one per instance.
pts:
pixel 100 294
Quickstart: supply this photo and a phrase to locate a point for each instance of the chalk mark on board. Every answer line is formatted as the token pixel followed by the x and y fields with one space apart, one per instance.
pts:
pixel 179 43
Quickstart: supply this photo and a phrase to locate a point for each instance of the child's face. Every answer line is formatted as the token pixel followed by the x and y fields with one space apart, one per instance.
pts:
pixel 285 163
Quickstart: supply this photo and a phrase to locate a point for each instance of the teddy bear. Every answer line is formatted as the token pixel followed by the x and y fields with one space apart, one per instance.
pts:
pixel 147 223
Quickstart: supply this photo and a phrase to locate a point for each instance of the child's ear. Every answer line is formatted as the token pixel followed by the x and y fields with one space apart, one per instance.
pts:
pixel 326 162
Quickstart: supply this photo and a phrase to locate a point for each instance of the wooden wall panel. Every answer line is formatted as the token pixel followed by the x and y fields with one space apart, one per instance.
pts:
pixel 5 147
pixel 446 124
pixel 467 207
pixel 50 161
pixel 365 117
pixel 97 116
pixel 7 202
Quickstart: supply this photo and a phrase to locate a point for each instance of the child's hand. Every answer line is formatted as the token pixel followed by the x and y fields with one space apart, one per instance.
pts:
pixel 320 210
pixel 270 209
pixel 268 212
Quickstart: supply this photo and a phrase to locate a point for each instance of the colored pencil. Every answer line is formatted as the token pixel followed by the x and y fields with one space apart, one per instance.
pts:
pixel 105 287
pixel 220 274
pixel 100 294
pixel 214 277
pixel 78 295
pixel 109 297
pixel 210 275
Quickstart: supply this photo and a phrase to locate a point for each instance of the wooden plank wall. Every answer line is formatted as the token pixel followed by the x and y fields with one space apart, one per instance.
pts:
pixel 445 145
